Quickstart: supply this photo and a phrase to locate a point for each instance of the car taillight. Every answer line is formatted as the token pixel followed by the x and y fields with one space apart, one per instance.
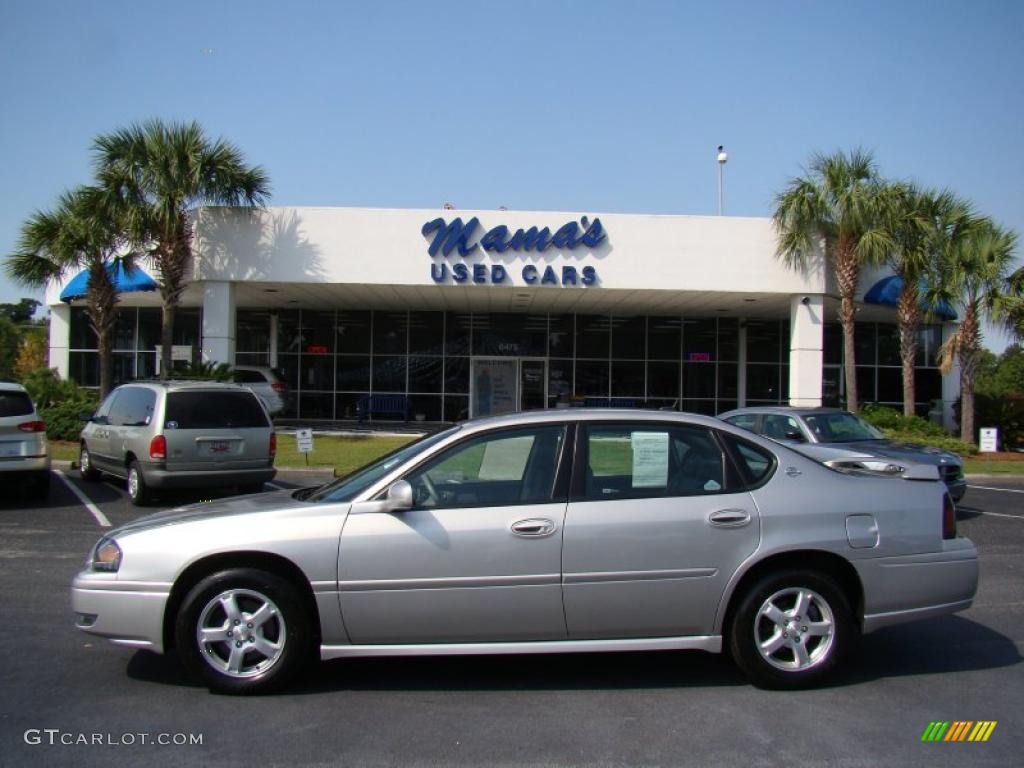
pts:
pixel 273 445
pixel 948 517
pixel 278 387
pixel 158 447
pixel 33 426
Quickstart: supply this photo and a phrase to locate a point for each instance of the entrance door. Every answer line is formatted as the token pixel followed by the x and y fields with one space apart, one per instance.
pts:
pixel 494 387
pixel 533 384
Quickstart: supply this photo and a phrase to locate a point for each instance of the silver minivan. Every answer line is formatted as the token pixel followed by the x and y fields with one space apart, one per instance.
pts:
pixel 23 447
pixel 179 434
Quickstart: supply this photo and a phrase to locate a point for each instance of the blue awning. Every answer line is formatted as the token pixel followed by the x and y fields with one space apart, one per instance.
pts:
pixel 886 293
pixel 124 281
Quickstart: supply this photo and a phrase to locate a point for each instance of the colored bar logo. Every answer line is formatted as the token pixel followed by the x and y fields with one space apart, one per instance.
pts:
pixel 959 730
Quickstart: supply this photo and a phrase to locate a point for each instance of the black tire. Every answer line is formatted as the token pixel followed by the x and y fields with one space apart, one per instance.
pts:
pixel 39 490
pixel 138 491
pixel 88 472
pixel 247 488
pixel 289 629
pixel 804 658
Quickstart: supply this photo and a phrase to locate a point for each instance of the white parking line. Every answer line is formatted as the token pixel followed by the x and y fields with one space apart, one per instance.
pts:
pixel 1001 514
pixel 276 485
pixel 96 511
pixel 990 488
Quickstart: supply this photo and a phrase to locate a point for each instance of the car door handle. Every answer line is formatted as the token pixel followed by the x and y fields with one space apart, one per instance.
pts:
pixel 533 528
pixel 729 518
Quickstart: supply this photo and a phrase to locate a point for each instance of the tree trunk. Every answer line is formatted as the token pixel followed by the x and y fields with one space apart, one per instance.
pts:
pixel 908 312
pixel 166 338
pixel 846 269
pixel 104 345
pixel 101 307
pixel 970 344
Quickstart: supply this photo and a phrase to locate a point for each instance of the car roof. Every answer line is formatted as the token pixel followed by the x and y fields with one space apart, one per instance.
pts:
pixel 800 411
pixel 11 386
pixel 557 415
pixel 178 385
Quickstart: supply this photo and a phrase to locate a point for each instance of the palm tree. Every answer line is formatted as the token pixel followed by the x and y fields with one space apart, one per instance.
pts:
pixel 842 205
pixel 164 171
pixel 975 274
pixel 924 223
pixel 81 232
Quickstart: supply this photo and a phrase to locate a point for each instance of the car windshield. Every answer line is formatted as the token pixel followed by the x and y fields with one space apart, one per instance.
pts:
pixel 348 487
pixel 840 427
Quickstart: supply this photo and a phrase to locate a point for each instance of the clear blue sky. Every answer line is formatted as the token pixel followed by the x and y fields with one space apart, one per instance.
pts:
pixel 581 106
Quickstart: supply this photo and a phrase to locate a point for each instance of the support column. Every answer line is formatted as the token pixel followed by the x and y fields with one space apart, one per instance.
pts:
pixel 60 339
pixel 273 339
pixel 950 382
pixel 218 322
pixel 806 344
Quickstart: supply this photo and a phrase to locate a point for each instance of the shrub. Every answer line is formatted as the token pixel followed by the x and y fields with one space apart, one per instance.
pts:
pixel 59 402
pixel 943 443
pixel 204 370
pixel 890 418
pixel 1006 413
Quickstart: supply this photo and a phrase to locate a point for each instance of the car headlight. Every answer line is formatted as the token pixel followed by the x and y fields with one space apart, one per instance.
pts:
pixel 871 465
pixel 106 556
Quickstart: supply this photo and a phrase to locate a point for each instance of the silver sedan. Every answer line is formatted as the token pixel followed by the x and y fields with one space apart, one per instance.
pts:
pixel 544 532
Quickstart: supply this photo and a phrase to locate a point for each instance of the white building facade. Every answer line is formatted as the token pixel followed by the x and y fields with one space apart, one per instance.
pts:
pixel 472 312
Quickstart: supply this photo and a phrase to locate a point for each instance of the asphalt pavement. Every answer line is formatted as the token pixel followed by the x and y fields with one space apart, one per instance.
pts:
pixel 70 699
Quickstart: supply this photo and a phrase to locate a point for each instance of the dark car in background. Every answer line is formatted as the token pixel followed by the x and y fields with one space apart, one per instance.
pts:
pixel 840 438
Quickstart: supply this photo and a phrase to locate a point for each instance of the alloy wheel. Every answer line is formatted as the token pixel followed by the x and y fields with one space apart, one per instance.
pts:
pixel 794 629
pixel 241 633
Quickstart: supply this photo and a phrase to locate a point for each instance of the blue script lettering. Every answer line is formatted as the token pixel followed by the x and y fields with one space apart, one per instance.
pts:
pixel 451 236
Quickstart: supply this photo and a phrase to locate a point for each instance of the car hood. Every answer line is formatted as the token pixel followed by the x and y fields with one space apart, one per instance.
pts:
pixel 274 501
pixel 889 449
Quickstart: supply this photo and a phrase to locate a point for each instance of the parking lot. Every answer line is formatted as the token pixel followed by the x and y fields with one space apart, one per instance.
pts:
pixel 668 708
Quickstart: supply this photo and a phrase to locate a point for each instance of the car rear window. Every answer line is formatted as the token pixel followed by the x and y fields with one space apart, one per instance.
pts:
pixel 212 410
pixel 15 404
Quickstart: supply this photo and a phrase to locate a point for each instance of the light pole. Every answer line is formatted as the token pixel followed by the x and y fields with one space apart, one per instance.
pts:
pixel 723 158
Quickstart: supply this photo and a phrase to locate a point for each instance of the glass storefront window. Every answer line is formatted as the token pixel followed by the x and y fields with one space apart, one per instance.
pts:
pixel 426 374
pixel 457 333
pixel 628 379
pixel 763 341
pixel 763 382
pixel 426 333
pixel 559 381
pixel 456 375
pixel 664 338
pixel 890 385
pixel 353 373
pixel 888 345
pixel 628 337
pixel 352 330
pixel 729 338
pixel 592 337
pixel 252 330
pixel 561 329
pixel 832 339
pixel 317 332
pixel 663 379
pixel 289 332
pixel 389 333
pixel 698 380
pixel 591 378
pixel 864 346
pixel 510 334
pixel 317 372
pixel 866 384
pixel 700 340
pixel 388 374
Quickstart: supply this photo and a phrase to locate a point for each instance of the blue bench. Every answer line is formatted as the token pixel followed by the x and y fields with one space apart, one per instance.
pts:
pixel 383 405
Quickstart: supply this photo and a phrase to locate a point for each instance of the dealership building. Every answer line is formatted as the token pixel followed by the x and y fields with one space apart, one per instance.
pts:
pixel 466 313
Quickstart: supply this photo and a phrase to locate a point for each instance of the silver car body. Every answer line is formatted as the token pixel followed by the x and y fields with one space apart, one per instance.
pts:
pixel 265 383
pixel 197 455
pixel 23 446
pixel 648 573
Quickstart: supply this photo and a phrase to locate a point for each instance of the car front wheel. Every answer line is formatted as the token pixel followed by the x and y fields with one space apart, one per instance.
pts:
pixel 244 631
pixel 792 629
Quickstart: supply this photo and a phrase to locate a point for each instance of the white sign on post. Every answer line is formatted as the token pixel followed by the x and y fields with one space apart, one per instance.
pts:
pixel 304 440
pixel 989 440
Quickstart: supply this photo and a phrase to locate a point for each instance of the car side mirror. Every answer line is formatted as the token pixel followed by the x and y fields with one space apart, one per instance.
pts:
pixel 795 435
pixel 397 499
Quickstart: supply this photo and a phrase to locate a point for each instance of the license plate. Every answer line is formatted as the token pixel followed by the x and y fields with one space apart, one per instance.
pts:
pixel 10 449
pixel 218 447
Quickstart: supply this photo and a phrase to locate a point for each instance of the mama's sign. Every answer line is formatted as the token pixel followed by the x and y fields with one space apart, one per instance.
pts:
pixel 462 237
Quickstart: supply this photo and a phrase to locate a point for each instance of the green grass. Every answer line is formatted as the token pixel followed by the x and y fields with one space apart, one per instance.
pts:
pixel 987 467
pixel 343 454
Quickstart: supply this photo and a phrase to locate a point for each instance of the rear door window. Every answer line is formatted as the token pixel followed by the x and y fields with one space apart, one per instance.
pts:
pixel 133 407
pixel 214 410
pixel 645 460
pixel 15 404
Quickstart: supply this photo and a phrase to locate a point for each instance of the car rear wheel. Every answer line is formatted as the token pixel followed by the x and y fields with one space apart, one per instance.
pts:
pixel 792 629
pixel 85 467
pixel 244 631
pixel 138 492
